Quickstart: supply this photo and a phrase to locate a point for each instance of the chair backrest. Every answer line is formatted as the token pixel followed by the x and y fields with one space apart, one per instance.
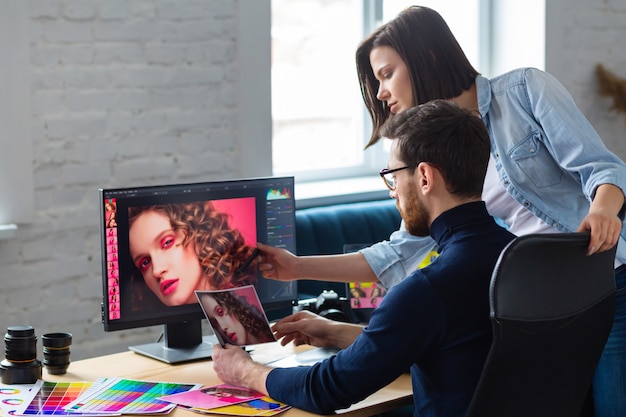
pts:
pixel 552 309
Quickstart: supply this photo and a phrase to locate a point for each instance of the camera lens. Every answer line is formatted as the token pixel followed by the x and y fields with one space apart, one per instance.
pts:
pixel 21 344
pixel 21 365
pixel 56 352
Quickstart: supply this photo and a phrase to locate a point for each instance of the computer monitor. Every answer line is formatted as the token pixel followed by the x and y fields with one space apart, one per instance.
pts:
pixel 160 243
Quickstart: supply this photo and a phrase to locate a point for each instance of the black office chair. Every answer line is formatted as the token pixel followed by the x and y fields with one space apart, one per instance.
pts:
pixel 552 310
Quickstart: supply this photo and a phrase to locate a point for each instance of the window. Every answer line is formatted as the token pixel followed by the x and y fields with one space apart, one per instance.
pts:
pixel 16 158
pixel 316 108
pixel 320 125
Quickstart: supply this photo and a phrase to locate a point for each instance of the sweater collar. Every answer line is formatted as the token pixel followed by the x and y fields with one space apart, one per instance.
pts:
pixel 443 227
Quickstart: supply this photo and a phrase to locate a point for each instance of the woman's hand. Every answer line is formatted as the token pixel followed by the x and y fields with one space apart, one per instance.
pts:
pixel 278 264
pixel 602 221
pixel 604 228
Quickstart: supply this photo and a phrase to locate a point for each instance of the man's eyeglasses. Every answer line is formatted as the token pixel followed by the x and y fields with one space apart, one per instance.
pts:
pixel 387 175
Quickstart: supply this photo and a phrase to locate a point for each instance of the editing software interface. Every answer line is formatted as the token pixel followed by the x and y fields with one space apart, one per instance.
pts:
pixel 212 227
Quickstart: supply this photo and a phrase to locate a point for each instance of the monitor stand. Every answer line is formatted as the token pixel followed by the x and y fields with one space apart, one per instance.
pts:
pixel 182 342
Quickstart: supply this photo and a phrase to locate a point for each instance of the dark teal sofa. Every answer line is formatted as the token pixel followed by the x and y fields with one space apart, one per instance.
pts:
pixel 325 230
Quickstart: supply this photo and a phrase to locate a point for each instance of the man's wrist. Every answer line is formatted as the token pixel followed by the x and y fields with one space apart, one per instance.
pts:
pixel 255 376
pixel 344 334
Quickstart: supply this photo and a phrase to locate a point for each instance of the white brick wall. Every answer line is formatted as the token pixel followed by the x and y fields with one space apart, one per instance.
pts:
pixel 123 93
pixel 581 34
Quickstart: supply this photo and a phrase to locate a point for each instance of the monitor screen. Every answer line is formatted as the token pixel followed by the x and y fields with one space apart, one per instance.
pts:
pixel 161 243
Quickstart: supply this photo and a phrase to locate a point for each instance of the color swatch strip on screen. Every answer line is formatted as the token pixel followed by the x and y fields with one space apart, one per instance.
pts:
pixel 128 396
pixel 50 398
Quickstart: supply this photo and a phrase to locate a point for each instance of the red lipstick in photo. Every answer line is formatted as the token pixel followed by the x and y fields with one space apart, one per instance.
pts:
pixel 168 286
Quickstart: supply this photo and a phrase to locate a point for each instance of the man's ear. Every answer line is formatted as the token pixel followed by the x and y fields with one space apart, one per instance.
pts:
pixel 424 174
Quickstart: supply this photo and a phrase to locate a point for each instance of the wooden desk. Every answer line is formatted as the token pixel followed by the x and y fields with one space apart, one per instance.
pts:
pixel 134 366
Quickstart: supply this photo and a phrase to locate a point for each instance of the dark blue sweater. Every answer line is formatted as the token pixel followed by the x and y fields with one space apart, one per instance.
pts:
pixel 435 322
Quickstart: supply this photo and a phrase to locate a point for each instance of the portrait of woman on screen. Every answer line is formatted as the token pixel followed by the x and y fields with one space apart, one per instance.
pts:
pixel 176 249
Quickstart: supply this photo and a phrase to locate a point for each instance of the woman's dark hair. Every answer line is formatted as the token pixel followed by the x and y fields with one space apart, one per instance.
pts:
pixel 436 63
pixel 452 139
pixel 220 248
pixel 248 315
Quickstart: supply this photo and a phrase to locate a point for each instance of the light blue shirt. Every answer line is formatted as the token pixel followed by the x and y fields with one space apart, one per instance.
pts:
pixel 548 156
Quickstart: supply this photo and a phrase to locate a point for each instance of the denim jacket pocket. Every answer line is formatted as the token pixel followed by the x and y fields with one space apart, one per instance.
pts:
pixel 534 160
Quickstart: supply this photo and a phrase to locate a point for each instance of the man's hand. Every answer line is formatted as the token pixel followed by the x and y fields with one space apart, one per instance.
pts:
pixel 234 366
pixel 308 328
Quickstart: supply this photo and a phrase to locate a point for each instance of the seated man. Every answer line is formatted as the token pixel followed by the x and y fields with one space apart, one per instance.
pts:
pixel 436 321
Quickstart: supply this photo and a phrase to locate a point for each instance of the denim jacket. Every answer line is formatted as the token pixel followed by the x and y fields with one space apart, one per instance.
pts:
pixel 548 156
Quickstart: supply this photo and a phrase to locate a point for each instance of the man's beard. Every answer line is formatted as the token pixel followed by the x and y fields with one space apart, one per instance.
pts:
pixel 415 215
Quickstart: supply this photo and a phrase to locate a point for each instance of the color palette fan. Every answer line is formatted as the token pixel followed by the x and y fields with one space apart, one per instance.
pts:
pixel 50 398
pixel 111 396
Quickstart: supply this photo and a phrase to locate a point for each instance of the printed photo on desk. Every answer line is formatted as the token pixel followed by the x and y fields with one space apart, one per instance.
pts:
pixel 212 397
pixel 264 406
pixel 236 316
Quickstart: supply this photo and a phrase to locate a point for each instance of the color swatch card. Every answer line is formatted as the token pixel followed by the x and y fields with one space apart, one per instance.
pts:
pixel 14 396
pixel 128 396
pixel 213 397
pixel 50 398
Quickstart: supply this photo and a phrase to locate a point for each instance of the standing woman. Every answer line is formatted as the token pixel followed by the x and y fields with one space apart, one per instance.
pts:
pixel 548 171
